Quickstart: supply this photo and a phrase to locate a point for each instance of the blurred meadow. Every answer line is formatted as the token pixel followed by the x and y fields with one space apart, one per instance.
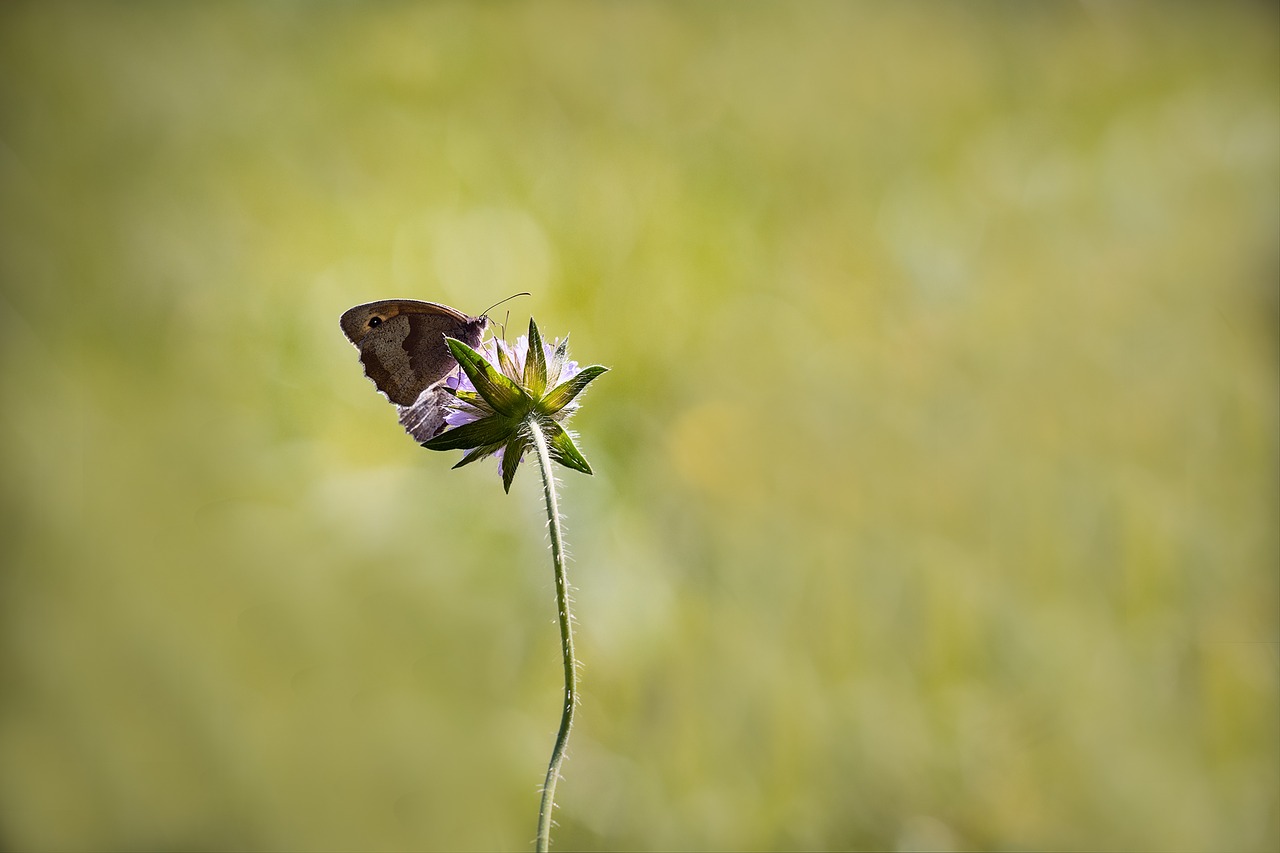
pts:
pixel 936 485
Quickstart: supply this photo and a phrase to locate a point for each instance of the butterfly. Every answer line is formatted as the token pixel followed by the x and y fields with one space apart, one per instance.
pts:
pixel 401 343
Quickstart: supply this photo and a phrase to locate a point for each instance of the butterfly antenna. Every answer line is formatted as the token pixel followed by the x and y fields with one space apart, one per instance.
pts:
pixel 485 312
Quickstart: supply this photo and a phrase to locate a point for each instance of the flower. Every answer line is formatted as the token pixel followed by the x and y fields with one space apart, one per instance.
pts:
pixel 496 408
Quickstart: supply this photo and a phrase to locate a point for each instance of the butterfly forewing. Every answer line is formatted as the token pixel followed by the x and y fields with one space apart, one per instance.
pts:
pixel 401 343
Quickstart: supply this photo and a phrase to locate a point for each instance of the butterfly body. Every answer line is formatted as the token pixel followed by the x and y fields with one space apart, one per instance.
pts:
pixel 401 343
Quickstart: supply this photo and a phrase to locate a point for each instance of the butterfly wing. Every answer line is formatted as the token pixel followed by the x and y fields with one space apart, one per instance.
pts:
pixel 424 420
pixel 402 348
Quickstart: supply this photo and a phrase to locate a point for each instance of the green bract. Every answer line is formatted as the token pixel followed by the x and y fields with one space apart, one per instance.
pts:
pixel 508 398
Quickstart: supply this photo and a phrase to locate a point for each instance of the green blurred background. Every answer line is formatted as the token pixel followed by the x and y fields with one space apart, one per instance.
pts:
pixel 936 494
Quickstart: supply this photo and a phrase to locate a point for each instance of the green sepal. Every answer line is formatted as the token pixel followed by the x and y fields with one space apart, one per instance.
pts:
pixel 556 365
pixel 482 452
pixel 494 429
pixel 511 457
pixel 503 395
pixel 562 449
pixel 563 394
pixel 506 363
pixel 471 398
pixel 535 363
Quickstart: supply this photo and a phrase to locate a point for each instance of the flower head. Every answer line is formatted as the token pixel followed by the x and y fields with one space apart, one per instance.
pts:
pixel 502 389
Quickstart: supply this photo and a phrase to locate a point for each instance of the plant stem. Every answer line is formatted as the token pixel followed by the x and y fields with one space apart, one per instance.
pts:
pixel 566 638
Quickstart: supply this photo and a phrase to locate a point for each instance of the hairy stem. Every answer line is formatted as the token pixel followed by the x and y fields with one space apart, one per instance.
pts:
pixel 566 639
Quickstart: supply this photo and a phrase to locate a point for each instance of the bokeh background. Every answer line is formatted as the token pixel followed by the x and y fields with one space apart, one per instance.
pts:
pixel 936 496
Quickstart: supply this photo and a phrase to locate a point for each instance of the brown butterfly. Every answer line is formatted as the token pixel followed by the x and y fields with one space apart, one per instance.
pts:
pixel 401 343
